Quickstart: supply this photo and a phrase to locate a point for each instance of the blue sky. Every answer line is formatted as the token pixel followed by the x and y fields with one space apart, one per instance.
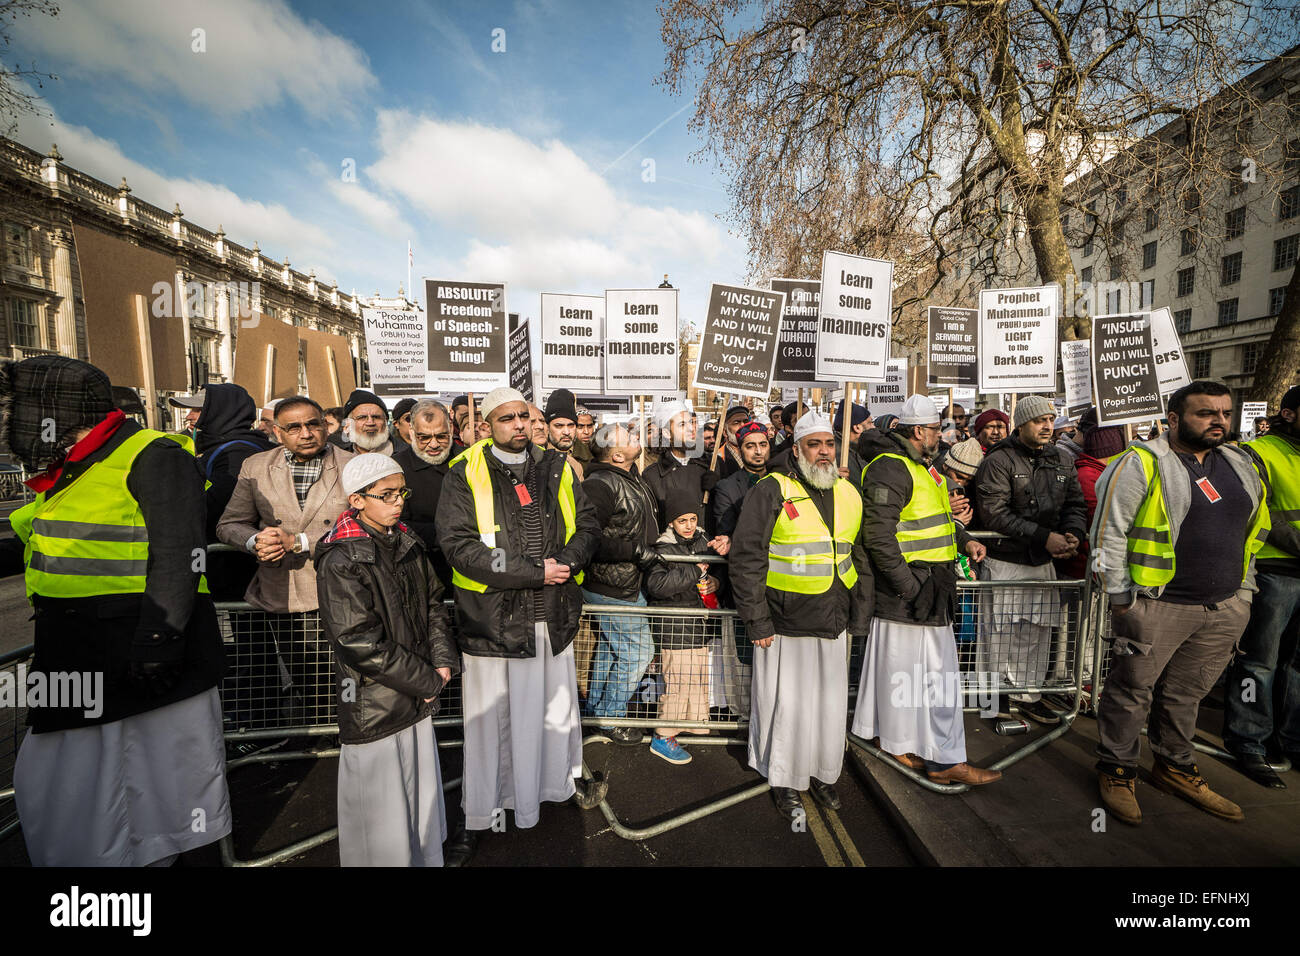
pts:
pixel 522 165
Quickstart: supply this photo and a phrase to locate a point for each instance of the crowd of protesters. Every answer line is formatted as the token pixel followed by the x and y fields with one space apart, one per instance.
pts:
pixel 520 515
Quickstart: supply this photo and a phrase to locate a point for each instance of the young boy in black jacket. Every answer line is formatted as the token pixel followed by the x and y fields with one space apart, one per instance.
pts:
pixel 381 609
pixel 683 641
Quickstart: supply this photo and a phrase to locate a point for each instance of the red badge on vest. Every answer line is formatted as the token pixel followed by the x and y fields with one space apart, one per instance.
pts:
pixel 938 478
pixel 789 510
pixel 1208 489
pixel 525 498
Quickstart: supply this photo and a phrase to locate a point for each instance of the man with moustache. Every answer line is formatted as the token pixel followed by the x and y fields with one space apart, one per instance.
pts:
pixel 991 427
pixel 586 428
pixel 425 463
pixel 729 494
pixel 562 426
pixel 802 584
pixel 1179 521
pixel 365 422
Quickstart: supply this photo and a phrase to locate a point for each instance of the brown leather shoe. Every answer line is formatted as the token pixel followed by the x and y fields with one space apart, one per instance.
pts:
pixel 965 773
pixel 1191 786
pixel 1119 793
pixel 910 761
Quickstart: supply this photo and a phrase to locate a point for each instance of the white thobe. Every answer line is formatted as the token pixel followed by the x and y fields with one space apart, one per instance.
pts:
pixel 799 707
pixel 523 733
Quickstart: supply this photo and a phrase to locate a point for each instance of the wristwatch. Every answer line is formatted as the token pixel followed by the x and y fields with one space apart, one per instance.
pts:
pixel 297 544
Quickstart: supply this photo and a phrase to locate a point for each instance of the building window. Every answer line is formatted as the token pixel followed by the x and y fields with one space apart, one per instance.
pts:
pixel 1115 266
pixel 1249 357
pixel 1065 222
pixel 1087 248
pixel 1186 281
pixel 1276 299
pixel 1235 223
pixel 24 324
pixel 1284 252
pixel 1183 321
pixel 1227 311
pixel 1086 274
pixel 1153 218
pixel 1201 364
pixel 1288 204
pixel 1231 271
pixel 1147 293
pixel 1121 196
pixel 1191 200
pixel 1113 300
pixel 1187 240
pixel 1291 157
pixel 988 282
pixel 1149 255
pixel 18 245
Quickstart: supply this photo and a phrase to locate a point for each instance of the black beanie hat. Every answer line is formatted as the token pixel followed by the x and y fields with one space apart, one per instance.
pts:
pixel 361 397
pixel 402 407
pixel 560 404
pixel 682 502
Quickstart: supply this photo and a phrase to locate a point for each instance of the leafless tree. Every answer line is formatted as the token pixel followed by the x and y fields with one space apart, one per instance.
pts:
pixel 16 79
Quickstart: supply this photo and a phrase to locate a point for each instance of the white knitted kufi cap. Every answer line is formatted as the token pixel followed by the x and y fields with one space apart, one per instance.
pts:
pixel 811 423
pixel 500 396
pixel 363 471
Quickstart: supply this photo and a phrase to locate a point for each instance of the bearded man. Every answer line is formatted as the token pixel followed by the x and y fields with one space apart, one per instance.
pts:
pixel 365 425
pixel 425 464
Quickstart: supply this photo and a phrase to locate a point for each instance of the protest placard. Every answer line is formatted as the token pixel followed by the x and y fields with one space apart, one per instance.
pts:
pixel 1171 364
pixel 854 318
pixel 1249 412
pixel 954 349
pixel 397 347
pixel 1017 339
pixel 796 355
pixel 521 361
pixel 640 341
pixel 887 397
pixel 467 335
pixel 1077 370
pixel 573 343
pixel 739 344
pixel 1124 376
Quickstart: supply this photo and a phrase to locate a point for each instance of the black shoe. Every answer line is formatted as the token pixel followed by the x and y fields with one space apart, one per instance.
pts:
pixel 246 748
pixel 459 849
pixel 623 736
pixel 824 793
pixel 1282 762
pixel 1040 712
pixel 589 793
pixel 1255 766
pixel 787 802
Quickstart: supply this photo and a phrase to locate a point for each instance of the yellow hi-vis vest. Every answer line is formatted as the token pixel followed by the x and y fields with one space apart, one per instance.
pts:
pixel 89 538
pixel 926 529
pixel 485 512
pixel 1150 547
pixel 803 555
pixel 1283 467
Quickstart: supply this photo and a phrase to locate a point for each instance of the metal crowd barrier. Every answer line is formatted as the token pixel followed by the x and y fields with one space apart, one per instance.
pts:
pixel 12 723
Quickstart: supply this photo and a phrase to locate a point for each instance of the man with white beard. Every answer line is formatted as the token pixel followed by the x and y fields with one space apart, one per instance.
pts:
pixel 913 540
pixel 425 463
pixel 802 584
pixel 365 425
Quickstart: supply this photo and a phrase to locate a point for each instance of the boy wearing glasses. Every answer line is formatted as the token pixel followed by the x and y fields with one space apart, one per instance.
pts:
pixel 382 612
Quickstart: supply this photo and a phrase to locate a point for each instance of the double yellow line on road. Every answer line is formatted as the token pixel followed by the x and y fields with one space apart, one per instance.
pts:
pixel 837 849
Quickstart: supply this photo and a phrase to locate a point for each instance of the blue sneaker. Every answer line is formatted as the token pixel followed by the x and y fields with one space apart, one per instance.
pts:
pixel 669 749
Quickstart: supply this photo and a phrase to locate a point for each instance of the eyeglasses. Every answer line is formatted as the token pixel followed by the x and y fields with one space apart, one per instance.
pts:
pixel 295 428
pixel 370 418
pixel 390 497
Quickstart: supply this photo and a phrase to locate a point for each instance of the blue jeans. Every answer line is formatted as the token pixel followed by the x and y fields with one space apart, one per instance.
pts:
pixel 1269 664
pixel 625 650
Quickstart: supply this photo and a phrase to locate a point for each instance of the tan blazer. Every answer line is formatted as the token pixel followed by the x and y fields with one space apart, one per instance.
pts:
pixel 264 495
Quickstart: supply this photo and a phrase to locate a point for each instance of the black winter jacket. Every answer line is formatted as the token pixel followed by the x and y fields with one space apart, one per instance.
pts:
pixel 421 508
pixel 727 497
pixel 499 622
pixel 903 592
pixel 224 439
pixel 381 610
pixel 1027 495
pixel 767 611
pixel 668 479
pixel 169 622
pixel 627 514
pixel 676 584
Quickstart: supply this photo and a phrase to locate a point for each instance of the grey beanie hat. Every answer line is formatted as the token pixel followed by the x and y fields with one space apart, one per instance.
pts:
pixel 1029 408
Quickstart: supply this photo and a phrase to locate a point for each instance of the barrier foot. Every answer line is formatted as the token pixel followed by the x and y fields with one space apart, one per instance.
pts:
pixel 867 747
pixel 637 834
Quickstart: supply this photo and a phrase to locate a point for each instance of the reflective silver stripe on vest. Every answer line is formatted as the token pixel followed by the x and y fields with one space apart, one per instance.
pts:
pixel 1149 534
pixel 920 524
pixel 89 531
pixel 90 567
pixel 1292 515
pixel 1151 561
pixel 812 570
pixel 808 549
pixel 925 544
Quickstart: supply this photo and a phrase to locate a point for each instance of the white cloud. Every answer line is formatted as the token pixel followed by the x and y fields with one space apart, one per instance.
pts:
pixel 258 53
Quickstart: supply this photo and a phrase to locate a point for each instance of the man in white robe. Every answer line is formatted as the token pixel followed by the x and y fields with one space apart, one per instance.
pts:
pixel 802 585
pixel 517 531
pixel 909 695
